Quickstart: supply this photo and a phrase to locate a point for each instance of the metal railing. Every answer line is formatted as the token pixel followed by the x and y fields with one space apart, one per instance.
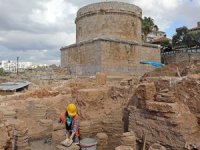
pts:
pixel 182 50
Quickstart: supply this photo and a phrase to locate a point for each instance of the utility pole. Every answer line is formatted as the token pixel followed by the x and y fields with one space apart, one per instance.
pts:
pixel 17 65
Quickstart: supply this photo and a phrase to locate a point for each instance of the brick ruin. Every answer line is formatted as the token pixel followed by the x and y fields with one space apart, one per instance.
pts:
pixel 108 39
pixel 162 112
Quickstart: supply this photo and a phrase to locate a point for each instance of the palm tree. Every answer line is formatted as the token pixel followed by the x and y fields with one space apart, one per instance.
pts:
pixel 147 26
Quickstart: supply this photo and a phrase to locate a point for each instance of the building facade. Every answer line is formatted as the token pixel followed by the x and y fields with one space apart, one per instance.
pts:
pixel 11 66
pixel 155 35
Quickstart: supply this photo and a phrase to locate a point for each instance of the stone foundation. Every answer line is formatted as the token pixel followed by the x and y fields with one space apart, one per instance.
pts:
pixel 109 56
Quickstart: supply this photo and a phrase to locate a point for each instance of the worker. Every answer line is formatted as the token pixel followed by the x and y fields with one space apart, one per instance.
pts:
pixel 71 121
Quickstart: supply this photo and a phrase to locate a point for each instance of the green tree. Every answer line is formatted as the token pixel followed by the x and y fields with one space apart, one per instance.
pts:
pixel 185 38
pixel 165 43
pixel 2 73
pixel 196 38
pixel 180 38
pixel 147 26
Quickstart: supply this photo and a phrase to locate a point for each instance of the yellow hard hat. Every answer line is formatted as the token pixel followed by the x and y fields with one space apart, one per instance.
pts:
pixel 71 109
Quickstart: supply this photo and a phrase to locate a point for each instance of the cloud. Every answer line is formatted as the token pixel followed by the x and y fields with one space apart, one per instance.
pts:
pixel 35 30
pixel 166 12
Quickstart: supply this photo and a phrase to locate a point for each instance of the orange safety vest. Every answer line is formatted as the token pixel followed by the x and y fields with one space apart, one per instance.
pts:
pixel 63 120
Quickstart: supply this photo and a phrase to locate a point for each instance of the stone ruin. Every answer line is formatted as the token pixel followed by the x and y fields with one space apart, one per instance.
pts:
pixel 108 39
pixel 158 113
pixel 154 113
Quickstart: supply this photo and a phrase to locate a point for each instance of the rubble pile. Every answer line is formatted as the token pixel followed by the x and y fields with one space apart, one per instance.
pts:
pixel 40 93
pixel 102 141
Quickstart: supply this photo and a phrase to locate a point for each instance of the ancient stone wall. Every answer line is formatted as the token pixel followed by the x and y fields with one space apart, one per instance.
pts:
pixel 108 56
pixel 83 58
pixel 160 115
pixel 115 20
pixel 126 57
pixel 180 56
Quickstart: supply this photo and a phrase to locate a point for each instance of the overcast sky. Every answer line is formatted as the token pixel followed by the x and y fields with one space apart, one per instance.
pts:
pixel 34 30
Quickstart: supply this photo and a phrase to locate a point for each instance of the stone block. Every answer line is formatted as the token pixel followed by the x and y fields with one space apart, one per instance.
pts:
pixel 162 107
pixel 165 97
pixel 146 91
pixel 129 139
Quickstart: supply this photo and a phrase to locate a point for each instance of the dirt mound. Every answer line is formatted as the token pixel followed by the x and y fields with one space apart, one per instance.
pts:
pixel 175 70
pixel 40 93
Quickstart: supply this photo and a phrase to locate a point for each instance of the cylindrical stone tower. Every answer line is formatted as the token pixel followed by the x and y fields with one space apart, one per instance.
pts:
pixel 111 20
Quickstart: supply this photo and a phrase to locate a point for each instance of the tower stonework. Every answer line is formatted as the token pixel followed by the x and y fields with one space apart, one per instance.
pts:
pixel 108 39
pixel 113 20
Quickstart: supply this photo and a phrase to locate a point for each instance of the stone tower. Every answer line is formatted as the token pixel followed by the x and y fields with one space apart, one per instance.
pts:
pixel 119 21
pixel 108 39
